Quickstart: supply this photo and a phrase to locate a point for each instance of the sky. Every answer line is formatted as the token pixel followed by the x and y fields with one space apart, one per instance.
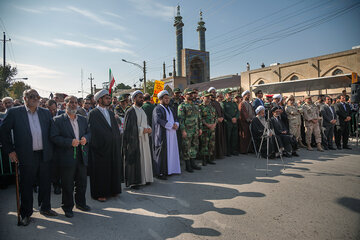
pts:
pixel 52 42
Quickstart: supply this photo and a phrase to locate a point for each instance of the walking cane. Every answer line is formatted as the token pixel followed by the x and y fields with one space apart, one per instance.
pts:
pixel 17 193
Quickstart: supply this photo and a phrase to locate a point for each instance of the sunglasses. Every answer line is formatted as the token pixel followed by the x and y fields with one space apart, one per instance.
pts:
pixel 34 96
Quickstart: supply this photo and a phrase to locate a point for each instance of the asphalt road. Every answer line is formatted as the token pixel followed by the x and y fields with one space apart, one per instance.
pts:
pixel 317 196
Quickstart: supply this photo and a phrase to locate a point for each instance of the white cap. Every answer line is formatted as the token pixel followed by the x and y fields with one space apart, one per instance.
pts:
pixel 100 94
pixel 259 108
pixel 245 92
pixel 211 88
pixel 133 95
pixel 162 93
pixel 277 96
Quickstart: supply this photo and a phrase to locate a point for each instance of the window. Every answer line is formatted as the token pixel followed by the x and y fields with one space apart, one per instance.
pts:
pixel 261 82
pixel 337 72
pixel 293 78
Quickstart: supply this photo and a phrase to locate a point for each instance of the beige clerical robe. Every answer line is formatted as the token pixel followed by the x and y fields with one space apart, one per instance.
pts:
pixel 144 146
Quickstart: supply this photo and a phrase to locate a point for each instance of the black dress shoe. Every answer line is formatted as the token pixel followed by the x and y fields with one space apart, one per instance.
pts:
pixel 235 153
pixel 295 154
pixel 162 177
pixel 286 154
pixel 57 190
pixel 84 208
pixel 325 147
pixel 339 147
pixel 48 213
pixel 24 221
pixel 69 214
pixel 135 187
pixel 347 147
pixel 211 162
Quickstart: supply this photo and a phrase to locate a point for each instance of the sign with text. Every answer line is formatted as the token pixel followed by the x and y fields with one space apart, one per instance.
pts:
pixel 158 87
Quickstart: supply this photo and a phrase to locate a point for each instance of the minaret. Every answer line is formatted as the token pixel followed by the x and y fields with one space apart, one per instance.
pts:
pixel 201 29
pixel 178 24
pixel 174 68
pixel 164 71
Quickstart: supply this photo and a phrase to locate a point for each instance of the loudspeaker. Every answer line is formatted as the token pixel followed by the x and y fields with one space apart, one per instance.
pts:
pixel 355 93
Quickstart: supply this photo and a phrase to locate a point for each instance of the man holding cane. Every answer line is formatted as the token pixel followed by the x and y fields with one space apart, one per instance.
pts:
pixel 32 150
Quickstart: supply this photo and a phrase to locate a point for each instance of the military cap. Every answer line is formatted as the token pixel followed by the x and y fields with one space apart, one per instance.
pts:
pixel 228 91
pixel 176 90
pixel 123 97
pixel 206 94
pixel 275 108
pixel 188 91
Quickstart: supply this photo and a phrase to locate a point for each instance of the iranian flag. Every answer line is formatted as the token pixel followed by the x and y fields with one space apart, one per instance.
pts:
pixel 111 81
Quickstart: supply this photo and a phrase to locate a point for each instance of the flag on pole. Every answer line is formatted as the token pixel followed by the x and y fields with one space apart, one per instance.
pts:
pixel 111 81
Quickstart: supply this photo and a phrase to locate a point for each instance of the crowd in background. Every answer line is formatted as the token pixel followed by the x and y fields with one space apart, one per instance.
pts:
pixel 129 139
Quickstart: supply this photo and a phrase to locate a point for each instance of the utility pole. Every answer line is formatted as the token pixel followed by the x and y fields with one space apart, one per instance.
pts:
pixel 91 85
pixel 4 50
pixel 144 69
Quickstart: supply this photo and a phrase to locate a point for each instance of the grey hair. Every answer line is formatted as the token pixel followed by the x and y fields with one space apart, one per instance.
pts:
pixel 7 98
pixel 67 99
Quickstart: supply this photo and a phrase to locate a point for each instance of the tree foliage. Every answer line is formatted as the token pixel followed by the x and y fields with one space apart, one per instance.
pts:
pixel 17 89
pixel 122 86
pixel 6 77
pixel 150 86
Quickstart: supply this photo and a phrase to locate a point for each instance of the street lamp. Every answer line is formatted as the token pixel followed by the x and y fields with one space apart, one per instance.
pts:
pixel 143 68
pixel 19 79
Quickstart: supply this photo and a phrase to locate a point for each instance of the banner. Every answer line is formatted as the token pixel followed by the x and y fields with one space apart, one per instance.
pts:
pixel 158 87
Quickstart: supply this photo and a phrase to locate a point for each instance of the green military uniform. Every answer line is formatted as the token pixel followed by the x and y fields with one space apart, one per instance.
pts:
pixel 207 138
pixel 148 109
pixel 189 119
pixel 231 111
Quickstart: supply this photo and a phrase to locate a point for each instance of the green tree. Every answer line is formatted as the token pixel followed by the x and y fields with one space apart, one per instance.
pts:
pixel 122 86
pixel 17 89
pixel 150 86
pixel 6 77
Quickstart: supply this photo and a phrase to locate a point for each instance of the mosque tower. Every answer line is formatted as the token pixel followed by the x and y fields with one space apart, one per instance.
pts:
pixel 178 24
pixel 201 29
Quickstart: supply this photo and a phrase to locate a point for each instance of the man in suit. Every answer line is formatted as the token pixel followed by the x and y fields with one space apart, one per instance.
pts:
pixel 84 109
pixel 343 110
pixel 258 100
pixel 286 139
pixel 32 149
pixel 329 121
pixel 70 134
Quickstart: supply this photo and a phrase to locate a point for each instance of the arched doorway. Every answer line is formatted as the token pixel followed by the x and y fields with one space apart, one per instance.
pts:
pixel 196 71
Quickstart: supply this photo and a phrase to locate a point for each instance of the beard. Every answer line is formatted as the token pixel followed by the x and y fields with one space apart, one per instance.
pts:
pixel 139 104
pixel 71 111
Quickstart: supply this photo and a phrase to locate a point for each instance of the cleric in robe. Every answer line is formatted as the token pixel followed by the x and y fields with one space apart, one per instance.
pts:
pixel 136 147
pixel 105 163
pixel 165 125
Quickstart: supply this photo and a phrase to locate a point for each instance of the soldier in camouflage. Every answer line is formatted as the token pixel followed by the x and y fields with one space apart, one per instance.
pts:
pixel 209 120
pixel 294 112
pixel 311 118
pixel 190 128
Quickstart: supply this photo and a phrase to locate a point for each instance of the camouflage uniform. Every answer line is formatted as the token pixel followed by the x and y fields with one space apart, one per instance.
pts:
pixel 208 116
pixel 311 112
pixel 294 116
pixel 189 119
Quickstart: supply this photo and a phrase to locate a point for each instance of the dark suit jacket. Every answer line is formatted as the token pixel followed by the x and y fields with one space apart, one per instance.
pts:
pixel 17 120
pixel 327 115
pixel 342 113
pixel 256 103
pixel 62 135
pixel 278 126
pixel 82 112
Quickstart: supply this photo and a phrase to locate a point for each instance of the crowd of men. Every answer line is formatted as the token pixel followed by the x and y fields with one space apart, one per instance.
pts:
pixel 130 140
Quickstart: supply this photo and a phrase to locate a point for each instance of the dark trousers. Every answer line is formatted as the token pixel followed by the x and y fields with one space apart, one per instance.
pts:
pixel 342 132
pixel 232 137
pixel 288 142
pixel 28 175
pixel 329 134
pixel 55 171
pixel 73 176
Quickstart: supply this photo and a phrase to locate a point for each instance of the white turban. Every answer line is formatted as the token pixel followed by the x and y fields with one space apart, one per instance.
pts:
pixel 133 95
pixel 259 108
pixel 277 96
pixel 162 93
pixel 245 92
pixel 100 94
pixel 211 88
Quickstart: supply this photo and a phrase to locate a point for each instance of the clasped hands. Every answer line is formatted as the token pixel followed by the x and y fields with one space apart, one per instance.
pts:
pixel 76 142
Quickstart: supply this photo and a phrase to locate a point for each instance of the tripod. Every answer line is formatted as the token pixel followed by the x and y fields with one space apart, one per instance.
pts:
pixel 267 134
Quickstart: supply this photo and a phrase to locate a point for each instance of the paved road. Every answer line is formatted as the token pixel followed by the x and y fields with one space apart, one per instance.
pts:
pixel 316 197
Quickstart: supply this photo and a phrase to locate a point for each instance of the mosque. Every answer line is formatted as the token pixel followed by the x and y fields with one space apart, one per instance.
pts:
pixel 191 66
